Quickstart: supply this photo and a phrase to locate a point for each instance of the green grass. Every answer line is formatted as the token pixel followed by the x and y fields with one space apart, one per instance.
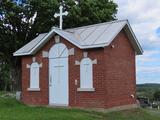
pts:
pixel 134 114
pixel 10 109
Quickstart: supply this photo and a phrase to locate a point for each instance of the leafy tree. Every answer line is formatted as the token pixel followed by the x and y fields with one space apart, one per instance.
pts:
pixel 157 95
pixel 20 23
pixel 87 12
pixel 4 76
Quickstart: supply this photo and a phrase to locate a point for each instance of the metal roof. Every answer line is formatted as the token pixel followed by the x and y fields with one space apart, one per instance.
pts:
pixel 92 36
pixel 28 47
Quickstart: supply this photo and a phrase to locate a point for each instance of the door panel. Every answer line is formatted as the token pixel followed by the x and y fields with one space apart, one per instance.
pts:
pixel 59 81
pixel 58 75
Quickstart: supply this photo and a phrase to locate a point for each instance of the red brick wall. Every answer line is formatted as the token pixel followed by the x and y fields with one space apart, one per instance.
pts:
pixel 113 76
pixel 120 72
pixel 81 99
pixel 89 99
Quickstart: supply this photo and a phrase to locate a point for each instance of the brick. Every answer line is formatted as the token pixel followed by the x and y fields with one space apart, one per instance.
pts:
pixel 113 76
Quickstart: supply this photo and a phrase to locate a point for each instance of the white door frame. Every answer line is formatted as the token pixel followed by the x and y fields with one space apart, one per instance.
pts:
pixel 58 53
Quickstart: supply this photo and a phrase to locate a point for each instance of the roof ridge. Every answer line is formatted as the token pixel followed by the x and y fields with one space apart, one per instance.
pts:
pixel 96 40
pixel 87 26
pixel 93 25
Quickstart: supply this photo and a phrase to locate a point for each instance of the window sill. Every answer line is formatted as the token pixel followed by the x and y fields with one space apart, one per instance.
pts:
pixel 33 89
pixel 86 89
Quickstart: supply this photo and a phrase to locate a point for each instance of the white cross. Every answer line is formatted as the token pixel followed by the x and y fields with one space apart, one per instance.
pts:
pixel 60 15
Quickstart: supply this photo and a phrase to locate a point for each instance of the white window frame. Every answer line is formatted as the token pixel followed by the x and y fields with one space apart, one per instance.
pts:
pixel 34 77
pixel 86 80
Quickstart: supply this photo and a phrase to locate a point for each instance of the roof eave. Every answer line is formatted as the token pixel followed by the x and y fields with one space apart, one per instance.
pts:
pixel 133 39
pixel 126 27
pixel 21 54
pixel 38 46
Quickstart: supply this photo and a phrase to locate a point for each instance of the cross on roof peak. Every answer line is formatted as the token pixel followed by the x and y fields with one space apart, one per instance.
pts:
pixel 60 15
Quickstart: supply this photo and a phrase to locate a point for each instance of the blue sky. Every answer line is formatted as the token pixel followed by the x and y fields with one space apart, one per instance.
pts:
pixel 144 17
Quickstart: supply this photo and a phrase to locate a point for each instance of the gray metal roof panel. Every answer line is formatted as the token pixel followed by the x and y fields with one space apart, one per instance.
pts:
pixel 109 34
pixel 97 34
pixel 92 36
pixel 31 44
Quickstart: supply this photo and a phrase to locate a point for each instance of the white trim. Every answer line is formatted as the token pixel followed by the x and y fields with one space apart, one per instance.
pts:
pixel 135 38
pixel 37 45
pixel 34 75
pixel 33 89
pixel 20 54
pixel 86 73
pixel 86 89
pixel 46 37
pixel 59 105
pixel 71 51
pixel 45 54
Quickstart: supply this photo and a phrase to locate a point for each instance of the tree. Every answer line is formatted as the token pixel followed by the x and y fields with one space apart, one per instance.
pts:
pixel 20 23
pixel 4 79
pixel 157 95
pixel 87 12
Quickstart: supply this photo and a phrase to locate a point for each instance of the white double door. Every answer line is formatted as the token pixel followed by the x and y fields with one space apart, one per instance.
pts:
pixel 58 82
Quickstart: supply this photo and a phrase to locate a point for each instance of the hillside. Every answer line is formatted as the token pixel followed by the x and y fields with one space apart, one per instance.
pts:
pixel 150 85
pixel 147 90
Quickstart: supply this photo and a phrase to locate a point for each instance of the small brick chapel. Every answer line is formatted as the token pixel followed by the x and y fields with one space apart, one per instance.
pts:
pixel 89 66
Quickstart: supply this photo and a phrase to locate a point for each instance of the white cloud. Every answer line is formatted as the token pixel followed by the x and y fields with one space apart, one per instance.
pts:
pixel 149 70
pixel 148 56
pixel 143 16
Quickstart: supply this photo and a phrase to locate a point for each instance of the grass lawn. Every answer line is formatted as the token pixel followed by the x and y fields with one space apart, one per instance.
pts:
pixel 10 109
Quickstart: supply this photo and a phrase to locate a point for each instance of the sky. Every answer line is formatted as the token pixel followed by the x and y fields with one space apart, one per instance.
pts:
pixel 144 17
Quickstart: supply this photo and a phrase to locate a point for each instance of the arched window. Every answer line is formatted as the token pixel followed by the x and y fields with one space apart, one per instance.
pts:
pixel 34 75
pixel 86 73
pixel 59 50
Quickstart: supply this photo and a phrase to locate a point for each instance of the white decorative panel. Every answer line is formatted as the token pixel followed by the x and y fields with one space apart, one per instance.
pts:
pixel 77 62
pixel 45 54
pixel 86 73
pixel 94 61
pixel 57 39
pixel 85 54
pixel 33 59
pixel 71 51
pixel 28 66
